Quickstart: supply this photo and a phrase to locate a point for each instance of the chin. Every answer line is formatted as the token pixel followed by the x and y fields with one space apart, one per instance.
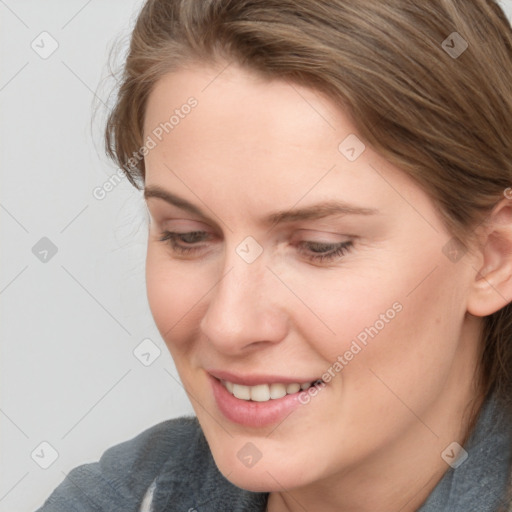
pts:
pixel 269 475
pixel 255 480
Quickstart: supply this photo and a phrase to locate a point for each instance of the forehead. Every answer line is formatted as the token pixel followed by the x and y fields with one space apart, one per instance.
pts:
pixel 254 110
pixel 250 142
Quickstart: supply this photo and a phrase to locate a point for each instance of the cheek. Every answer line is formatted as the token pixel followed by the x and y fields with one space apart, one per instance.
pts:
pixel 413 354
pixel 174 294
pixel 393 319
pixel 345 310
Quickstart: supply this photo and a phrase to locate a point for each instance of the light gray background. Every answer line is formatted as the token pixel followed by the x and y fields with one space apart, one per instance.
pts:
pixel 70 325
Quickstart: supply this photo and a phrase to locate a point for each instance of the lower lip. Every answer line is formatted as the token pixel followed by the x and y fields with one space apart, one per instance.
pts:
pixel 253 414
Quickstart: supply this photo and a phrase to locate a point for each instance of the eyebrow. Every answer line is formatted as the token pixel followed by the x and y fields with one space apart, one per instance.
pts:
pixel 313 212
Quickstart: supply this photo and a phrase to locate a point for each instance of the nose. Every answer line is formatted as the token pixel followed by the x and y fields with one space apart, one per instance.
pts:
pixel 244 309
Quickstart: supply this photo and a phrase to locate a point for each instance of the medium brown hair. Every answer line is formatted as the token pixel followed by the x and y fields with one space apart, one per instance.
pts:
pixel 444 119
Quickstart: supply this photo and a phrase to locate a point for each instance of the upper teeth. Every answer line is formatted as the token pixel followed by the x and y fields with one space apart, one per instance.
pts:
pixel 263 392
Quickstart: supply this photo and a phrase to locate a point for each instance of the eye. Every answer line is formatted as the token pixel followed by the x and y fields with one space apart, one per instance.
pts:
pixel 192 242
pixel 322 252
pixel 185 243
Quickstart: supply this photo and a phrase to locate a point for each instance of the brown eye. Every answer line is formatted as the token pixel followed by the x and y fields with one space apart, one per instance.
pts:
pixel 321 252
pixel 185 243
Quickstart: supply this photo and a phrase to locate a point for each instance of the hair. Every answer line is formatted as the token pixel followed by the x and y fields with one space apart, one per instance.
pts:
pixel 444 119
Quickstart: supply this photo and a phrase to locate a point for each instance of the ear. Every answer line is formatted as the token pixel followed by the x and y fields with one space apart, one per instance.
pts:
pixel 491 289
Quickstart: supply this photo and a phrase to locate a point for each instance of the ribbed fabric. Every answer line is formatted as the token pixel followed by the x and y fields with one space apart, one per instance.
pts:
pixel 479 484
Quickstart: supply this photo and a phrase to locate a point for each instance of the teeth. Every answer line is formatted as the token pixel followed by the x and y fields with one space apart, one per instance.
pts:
pixel 242 392
pixel 260 393
pixel 292 388
pixel 277 390
pixel 264 392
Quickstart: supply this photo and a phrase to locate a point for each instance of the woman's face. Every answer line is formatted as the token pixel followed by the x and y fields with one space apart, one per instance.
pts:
pixel 298 255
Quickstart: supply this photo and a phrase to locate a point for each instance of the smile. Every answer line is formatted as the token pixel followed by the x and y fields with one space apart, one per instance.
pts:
pixel 258 400
pixel 264 392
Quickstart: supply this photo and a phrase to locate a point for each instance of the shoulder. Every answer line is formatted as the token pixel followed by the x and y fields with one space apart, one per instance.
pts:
pixel 191 481
pixel 119 480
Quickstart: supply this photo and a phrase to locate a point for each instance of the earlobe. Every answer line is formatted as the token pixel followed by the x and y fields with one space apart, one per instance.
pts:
pixel 491 289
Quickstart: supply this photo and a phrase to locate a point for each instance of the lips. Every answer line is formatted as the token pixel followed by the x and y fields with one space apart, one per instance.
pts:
pixel 255 405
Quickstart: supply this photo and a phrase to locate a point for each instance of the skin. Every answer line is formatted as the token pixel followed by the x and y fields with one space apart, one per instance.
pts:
pixel 372 438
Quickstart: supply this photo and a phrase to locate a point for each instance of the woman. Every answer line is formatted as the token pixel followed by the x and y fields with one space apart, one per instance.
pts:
pixel 329 256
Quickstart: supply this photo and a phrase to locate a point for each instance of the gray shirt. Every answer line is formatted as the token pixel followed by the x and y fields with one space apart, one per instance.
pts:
pixel 169 467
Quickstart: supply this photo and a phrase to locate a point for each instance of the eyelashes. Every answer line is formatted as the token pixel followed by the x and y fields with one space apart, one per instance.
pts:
pixel 323 251
pixel 192 243
pixel 184 243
